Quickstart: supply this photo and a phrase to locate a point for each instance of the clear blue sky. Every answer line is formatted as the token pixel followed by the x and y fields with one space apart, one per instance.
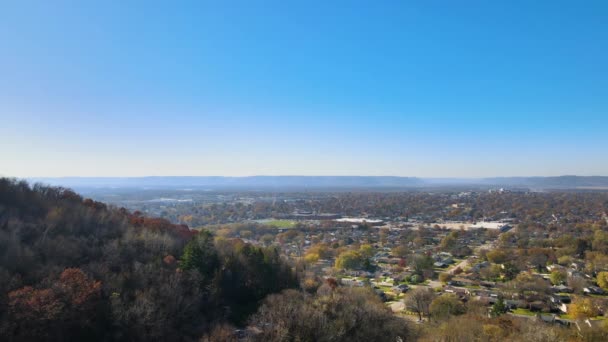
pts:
pixel 412 88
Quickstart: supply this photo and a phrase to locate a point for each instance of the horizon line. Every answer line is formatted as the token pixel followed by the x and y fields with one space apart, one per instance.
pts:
pixel 296 175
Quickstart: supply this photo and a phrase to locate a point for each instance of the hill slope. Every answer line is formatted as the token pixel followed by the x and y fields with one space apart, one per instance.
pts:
pixel 75 269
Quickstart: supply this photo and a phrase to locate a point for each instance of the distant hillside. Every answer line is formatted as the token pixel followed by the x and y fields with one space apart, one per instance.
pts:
pixel 561 182
pixel 322 182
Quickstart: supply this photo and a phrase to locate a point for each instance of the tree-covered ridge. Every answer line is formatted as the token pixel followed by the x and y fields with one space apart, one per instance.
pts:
pixel 76 269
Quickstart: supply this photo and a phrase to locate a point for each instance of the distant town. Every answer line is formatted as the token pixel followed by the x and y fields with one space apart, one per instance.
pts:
pixel 538 256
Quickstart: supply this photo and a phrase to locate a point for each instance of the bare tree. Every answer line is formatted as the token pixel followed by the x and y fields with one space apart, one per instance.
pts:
pixel 418 300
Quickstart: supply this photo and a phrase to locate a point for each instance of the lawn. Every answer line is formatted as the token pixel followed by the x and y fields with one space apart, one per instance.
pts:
pixel 524 312
pixel 472 287
pixel 281 223
pixel 385 288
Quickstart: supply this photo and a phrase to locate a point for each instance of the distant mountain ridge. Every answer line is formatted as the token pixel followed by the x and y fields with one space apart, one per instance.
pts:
pixel 318 182
pixel 560 181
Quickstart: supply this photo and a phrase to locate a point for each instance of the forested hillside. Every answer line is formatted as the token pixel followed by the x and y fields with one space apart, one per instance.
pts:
pixel 76 269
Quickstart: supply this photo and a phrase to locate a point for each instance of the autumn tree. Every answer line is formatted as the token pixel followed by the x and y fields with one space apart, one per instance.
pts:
pixel 538 257
pixel 400 251
pixel 267 239
pixel 445 306
pixel 449 241
pixel 600 242
pixel 497 256
pixel 350 260
pixel 445 277
pixel 596 262
pixel 344 314
pixel 582 308
pixel 366 251
pixel 66 310
pixel 421 263
pixel 558 277
pixel 602 280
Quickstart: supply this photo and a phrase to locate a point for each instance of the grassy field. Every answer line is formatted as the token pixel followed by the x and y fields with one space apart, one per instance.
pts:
pixel 281 223
pixel 385 288
pixel 525 312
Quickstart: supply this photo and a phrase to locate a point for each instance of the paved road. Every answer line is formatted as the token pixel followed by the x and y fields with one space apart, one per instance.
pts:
pixel 435 284
pixel 397 306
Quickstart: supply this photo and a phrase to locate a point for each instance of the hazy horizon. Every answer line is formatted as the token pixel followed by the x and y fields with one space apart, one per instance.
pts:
pixel 313 175
pixel 438 90
pixel 324 183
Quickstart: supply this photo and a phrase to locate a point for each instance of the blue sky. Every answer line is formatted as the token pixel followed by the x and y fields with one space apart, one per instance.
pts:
pixel 411 88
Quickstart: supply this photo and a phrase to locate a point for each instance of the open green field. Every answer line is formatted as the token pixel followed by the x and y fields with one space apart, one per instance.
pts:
pixel 280 223
pixel 524 312
pixel 385 288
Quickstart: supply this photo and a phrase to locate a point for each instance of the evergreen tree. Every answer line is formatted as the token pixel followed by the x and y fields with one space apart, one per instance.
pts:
pixel 498 308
